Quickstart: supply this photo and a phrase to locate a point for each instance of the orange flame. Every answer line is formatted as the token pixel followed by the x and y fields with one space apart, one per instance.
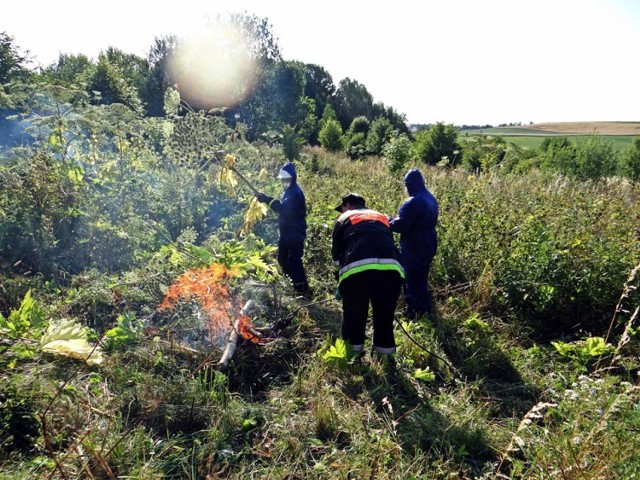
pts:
pixel 210 287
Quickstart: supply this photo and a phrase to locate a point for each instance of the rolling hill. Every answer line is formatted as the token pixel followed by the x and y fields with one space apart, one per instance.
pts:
pixel 566 128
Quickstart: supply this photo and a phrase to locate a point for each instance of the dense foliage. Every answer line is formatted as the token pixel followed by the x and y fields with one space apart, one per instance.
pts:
pixel 529 368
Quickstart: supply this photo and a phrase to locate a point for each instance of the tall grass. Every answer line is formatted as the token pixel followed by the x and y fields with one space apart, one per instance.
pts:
pixel 521 260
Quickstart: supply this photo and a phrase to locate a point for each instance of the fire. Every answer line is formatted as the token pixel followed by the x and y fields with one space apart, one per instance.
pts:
pixel 209 286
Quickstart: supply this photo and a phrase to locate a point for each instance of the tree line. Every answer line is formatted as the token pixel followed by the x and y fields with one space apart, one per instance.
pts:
pixel 294 103
pixel 287 93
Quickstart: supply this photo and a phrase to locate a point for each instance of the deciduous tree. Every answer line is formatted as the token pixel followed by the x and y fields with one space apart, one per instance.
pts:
pixel 159 78
pixel 352 100
pixel 12 60
pixel 69 69
pixel 439 141
pixel 630 162
pixel 108 79
pixel 330 135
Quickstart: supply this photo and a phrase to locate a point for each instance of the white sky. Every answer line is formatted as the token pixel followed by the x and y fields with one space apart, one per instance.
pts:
pixel 455 61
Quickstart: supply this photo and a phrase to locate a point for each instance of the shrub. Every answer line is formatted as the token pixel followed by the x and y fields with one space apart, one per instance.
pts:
pixel 630 162
pixel 482 153
pixel 596 158
pixel 380 133
pixel 330 136
pixel 291 143
pixel 354 145
pixel 548 250
pixel 356 138
pixel 439 141
pixel 398 151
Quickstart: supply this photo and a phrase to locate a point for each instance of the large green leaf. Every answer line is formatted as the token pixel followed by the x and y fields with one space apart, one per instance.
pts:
pixel 68 338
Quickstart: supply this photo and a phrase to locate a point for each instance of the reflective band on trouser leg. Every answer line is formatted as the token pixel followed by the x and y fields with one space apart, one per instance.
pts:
pixel 357 348
pixel 385 351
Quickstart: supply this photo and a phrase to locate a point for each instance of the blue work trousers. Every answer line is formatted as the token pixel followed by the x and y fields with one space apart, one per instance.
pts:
pixel 417 297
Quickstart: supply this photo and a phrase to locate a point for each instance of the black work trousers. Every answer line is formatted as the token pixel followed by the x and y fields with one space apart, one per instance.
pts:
pixel 381 288
pixel 290 259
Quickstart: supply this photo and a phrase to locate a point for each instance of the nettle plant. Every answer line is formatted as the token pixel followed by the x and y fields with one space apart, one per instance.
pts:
pixel 584 351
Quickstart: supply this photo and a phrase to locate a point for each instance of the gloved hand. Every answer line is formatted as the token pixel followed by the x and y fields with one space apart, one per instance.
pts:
pixel 338 295
pixel 263 198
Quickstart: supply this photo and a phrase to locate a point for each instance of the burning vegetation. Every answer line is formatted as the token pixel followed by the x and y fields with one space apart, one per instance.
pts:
pixel 212 287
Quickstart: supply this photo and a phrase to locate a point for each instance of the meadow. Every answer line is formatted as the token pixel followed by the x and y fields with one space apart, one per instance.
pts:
pixel 127 257
pixel 531 137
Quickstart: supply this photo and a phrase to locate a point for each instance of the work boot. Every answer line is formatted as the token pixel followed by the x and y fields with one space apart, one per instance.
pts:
pixel 303 290
pixel 415 315
pixel 304 296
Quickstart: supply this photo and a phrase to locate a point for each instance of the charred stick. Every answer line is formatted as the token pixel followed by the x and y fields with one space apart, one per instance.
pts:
pixel 232 343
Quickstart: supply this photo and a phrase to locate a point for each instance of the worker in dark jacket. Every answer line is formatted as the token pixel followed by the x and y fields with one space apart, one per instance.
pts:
pixel 416 224
pixel 368 270
pixel 292 225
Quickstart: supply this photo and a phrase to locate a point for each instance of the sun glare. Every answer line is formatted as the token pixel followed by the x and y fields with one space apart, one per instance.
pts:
pixel 214 69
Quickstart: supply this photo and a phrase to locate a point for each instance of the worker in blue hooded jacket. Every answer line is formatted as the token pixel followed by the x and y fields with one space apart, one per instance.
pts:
pixel 416 223
pixel 292 225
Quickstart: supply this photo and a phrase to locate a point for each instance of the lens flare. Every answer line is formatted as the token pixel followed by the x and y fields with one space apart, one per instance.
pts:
pixel 214 69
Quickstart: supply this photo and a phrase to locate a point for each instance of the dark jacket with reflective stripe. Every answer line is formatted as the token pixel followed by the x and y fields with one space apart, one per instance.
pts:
pixel 416 223
pixel 362 241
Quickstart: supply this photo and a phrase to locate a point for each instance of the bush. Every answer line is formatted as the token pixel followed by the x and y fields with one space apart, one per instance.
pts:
pixel 398 151
pixel 436 143
pixel 548 250
pixel 630 162
pixel 590 158
pixel 380 133
pixel 291 143
pixel 330 136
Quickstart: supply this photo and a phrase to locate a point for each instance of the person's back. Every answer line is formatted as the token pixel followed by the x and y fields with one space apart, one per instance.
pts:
pixel 416 223
pixel 362 237
pixel 368 273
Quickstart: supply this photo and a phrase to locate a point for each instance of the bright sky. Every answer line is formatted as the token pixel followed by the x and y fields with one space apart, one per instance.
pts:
pixel 454 61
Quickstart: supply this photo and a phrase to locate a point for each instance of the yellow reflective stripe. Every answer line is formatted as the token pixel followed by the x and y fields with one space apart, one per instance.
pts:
pixel 372 261
pixel 370 266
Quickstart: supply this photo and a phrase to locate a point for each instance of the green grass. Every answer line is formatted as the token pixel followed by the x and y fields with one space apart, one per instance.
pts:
pixel 522 261
pixel 535 138
pixel 503 131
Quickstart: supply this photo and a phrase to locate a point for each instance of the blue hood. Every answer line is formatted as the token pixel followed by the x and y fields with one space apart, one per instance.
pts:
pixel 291 169
pixel 414 181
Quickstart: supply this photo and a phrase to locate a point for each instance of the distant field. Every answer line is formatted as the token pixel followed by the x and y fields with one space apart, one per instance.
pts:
pixel 532 136
pixel 620 142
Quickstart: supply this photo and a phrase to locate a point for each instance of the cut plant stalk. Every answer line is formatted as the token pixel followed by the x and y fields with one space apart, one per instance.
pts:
pixel 219 156
pixel 232 343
